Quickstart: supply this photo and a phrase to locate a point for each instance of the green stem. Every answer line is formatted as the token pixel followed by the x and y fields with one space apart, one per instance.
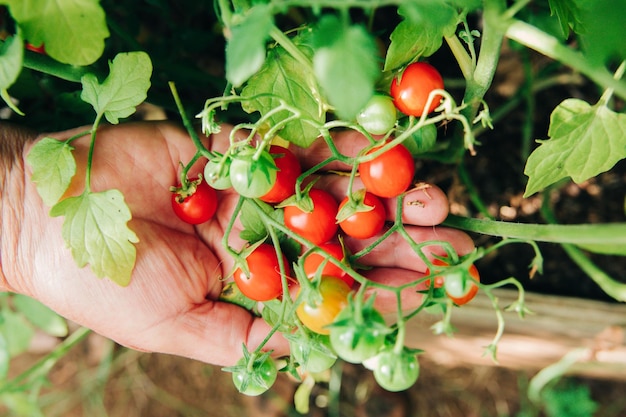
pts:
pixel 284 41
pixel 533 38
pixel 43 366
pixel 606 96
pixel 610 286
pixel 462 58
pixel 578 234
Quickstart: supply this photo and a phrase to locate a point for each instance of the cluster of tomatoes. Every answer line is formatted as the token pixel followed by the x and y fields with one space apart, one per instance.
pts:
pixel 330 321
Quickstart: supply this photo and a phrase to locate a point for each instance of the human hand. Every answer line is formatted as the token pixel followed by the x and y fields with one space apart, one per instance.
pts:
pixel 171 303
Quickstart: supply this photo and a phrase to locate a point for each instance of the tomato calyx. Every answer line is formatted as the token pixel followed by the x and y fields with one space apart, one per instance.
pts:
pixel 358 332
pixel 186 189
pixel 254 373
pixel 310 351
pixel 355 203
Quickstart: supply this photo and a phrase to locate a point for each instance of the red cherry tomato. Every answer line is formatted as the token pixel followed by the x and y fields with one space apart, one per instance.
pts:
pixel 318 225
pixel 364 224
pixel 410 91
pixel 314 260
pixel 197 207
pixel 389 174
pixel 288 172
pixel 41 49
pixel 264 281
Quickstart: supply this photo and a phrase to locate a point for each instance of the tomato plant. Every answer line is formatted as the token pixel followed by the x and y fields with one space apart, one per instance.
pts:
pixel 288 171
pixel 390 173
pixel 197 204
pixel 314 260
pixel 333 297
pixel 252 177
pixel 310 82
pixel 411 89
pixel 263 281
pixel 367 220
pixel 378 116
pixel 318 224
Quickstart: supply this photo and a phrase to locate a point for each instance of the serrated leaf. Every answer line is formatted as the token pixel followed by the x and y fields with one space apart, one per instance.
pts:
pixel 253 227
pixel 421 32
pixel 245 50
pixel 568 13
pixel 95 229
pixel 40 315
pixel 123 90
pixel 584 142
pixel 73 31
pixel 345 65
pixel 53 168
pixel 282 77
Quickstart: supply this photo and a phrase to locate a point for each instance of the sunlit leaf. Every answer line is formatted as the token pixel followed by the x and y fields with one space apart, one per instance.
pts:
pixel 95 229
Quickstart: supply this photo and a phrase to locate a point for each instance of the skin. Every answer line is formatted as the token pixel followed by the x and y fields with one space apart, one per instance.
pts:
pixel 170 305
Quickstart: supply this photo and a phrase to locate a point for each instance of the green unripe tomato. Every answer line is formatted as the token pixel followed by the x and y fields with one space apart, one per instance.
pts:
pixel 379 115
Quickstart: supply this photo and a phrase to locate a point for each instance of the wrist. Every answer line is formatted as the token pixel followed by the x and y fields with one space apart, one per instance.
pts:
pixel 13 138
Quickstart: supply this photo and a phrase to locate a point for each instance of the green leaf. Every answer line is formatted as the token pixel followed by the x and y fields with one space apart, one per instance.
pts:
pixel 16 332
pixel 11 58
pixel 40 315
pixel 569 15
pixel 125 87
pixel 345 65
pixel 253 227
pixel 585 141
pixel 421 32
pixel 53 168
pixel 602 36
pixel 95 229
pixel 245 50
pixel 282 78
pixel 73 31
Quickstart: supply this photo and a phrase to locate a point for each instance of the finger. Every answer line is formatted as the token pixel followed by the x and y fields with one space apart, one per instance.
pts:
pixel 423 205
pixel 386 301
pixel 215 332
pixel 395 250
pixel 348 143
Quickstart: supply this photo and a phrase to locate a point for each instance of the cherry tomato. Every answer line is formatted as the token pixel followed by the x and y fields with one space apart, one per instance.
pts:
pixel 333 298
pixel 364 224
pixel 312 353
pixel 379 115
pixel 458 285
pixel 396 371
pixel 318 225
pixel 389 174
pixel 314 260
pixel 264 281
pixel 288 172
pixel 410 91
pixel 357 340
pixel 217 176
pixel 196 205
pixel 257 379
pixel 252 178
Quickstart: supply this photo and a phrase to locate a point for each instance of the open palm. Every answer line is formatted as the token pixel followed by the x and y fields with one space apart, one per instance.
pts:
pixel 170 305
